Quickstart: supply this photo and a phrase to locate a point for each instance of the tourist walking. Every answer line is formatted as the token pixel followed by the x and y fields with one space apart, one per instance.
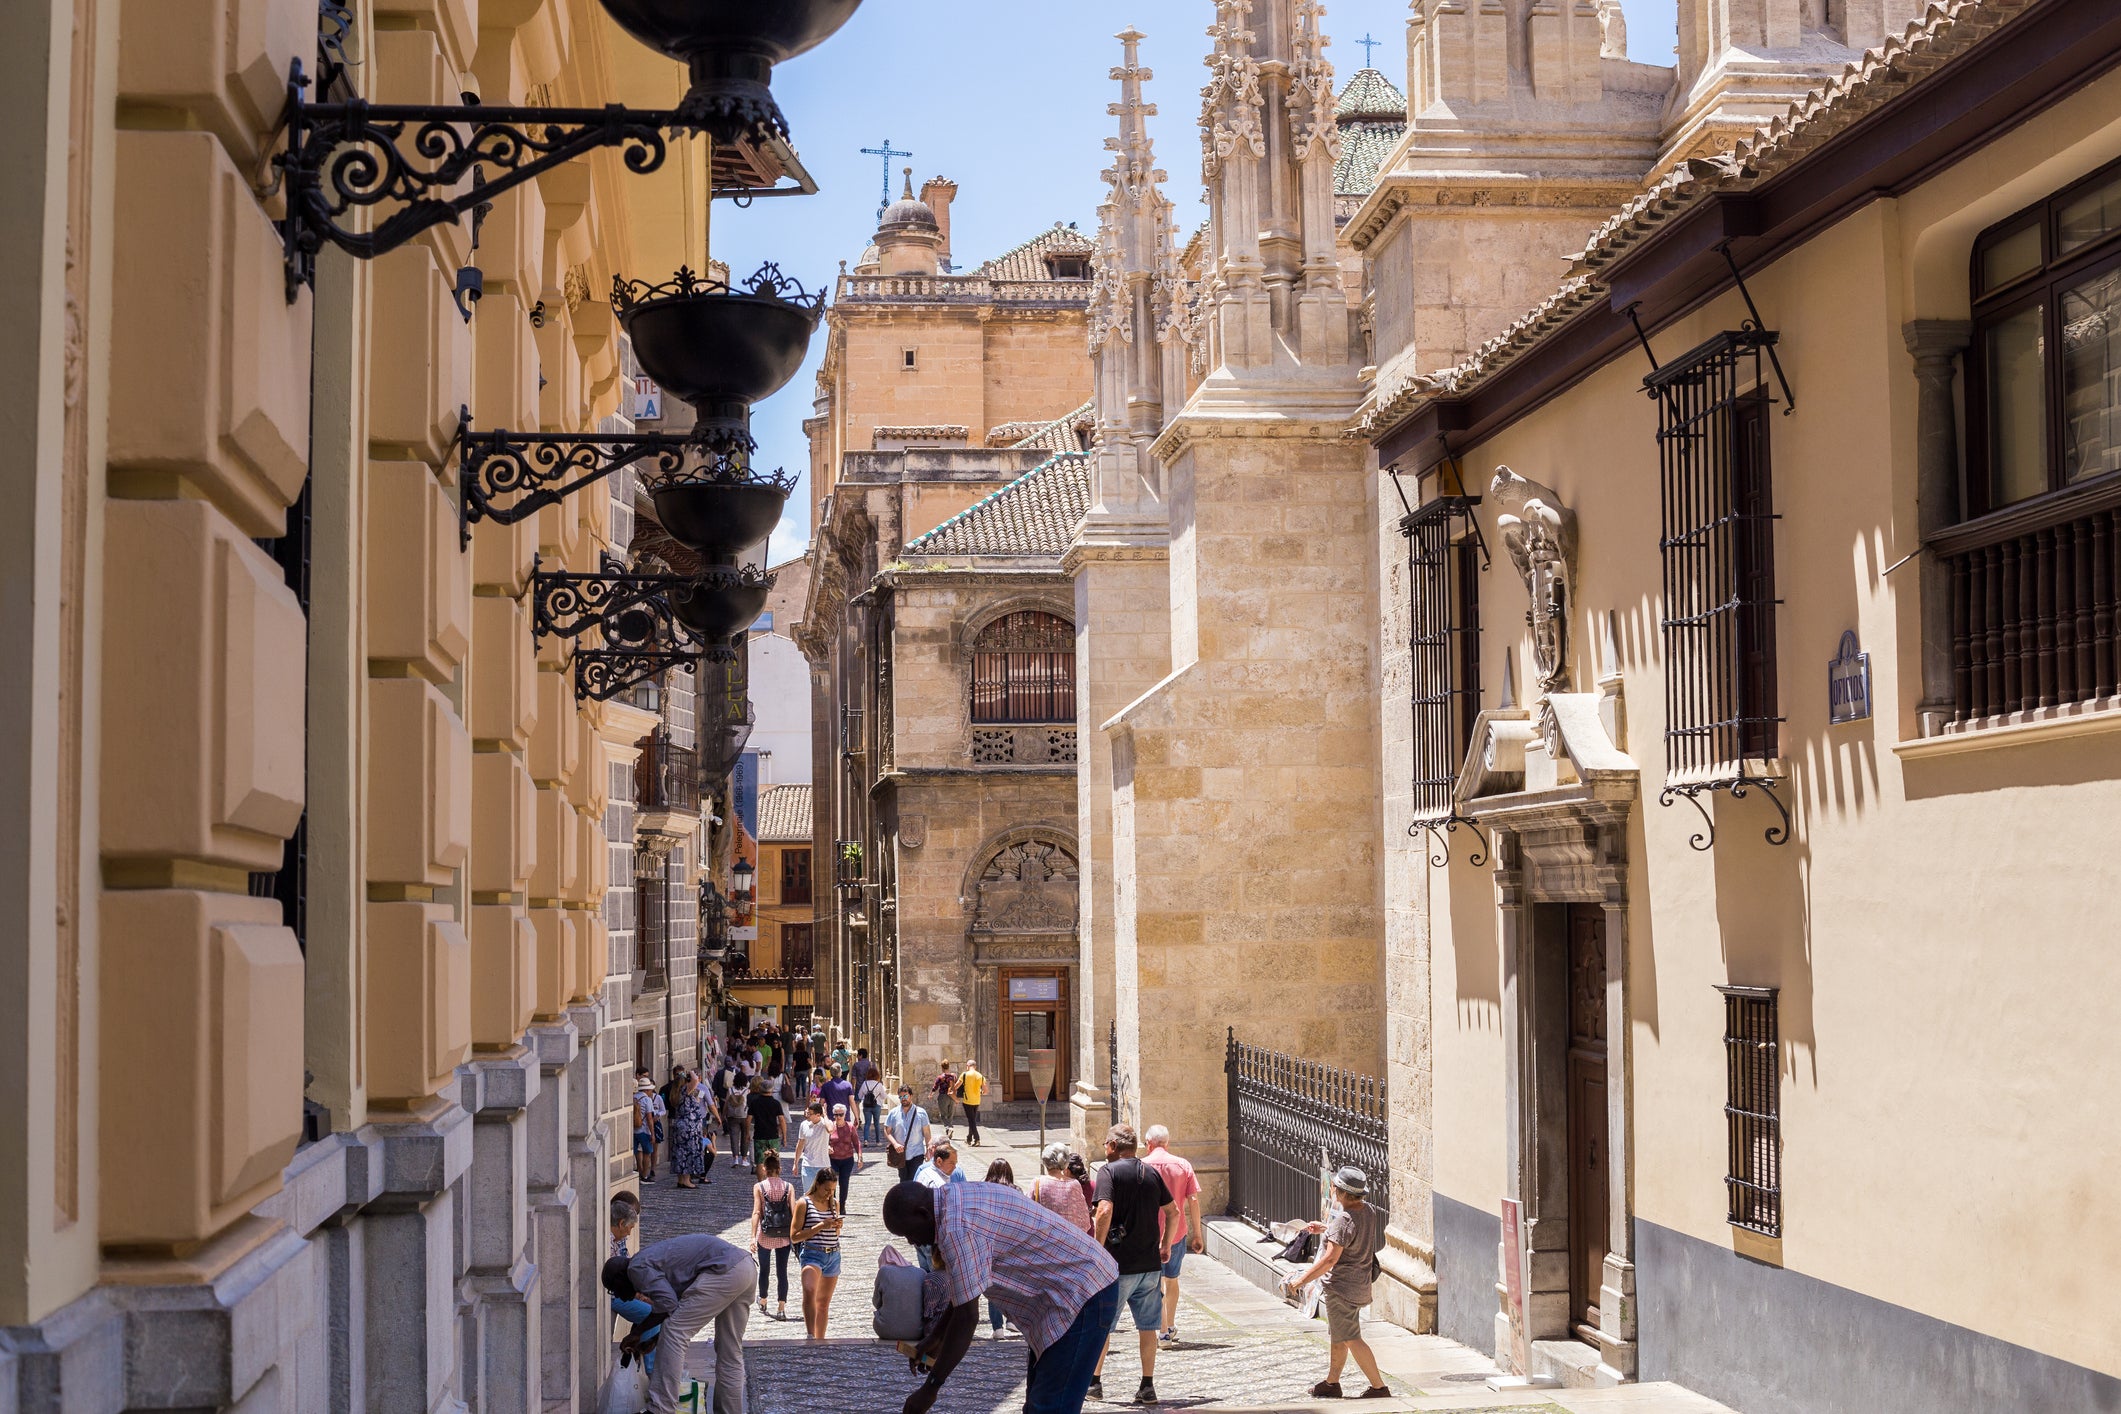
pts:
pixel 871 1093
pixel 648 1110
pixel 1179 1178
pixel 971 1089
pixel 1057 1191
pixel 845 1149
pixel 998 1172
pixel 1351 1236
pixel 941 1167
pixel 769 1121
pixel 813 1146
pixel 942 1092
pixel 772 1227
pixel 691 1143
pixel 1134 1216
pixel 1080 1172
pixel 736 1121
pixel 817 1237
pixel 837 1089
pixel 1059 1287
pixel 688 1282
pixel 908 1133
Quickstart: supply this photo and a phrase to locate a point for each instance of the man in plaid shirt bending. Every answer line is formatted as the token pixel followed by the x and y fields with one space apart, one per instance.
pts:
pixel 1041 1271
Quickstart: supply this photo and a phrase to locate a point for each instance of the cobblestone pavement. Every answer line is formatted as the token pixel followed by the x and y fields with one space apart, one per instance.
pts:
pixel 1239 1348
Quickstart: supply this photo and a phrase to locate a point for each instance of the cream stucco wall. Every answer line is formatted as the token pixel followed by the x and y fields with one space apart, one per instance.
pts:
pixel 1937 927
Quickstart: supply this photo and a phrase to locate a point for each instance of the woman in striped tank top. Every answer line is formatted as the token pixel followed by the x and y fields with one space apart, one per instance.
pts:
pixel 817 1237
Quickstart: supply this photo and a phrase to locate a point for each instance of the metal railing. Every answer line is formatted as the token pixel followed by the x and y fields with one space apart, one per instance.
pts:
pixel 1293 1120
pixel 961 289
pixel 667 776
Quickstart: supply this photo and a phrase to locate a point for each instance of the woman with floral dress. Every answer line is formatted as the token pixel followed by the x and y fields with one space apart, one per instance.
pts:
pixel 691 1146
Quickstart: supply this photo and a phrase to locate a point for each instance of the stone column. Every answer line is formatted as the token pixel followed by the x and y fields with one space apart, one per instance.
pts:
pixel 1936 345
pixel 555 1209
pixel 407 1321
pixel 501 1276
pixel 587 1169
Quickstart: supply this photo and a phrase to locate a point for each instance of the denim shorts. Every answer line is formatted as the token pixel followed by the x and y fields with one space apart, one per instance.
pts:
pixel 644 1141
pixel 826 1262
pixel 1143 1294
pixel 1178 1255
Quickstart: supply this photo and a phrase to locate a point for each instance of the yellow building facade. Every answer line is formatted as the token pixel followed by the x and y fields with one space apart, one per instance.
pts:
pixel 306 955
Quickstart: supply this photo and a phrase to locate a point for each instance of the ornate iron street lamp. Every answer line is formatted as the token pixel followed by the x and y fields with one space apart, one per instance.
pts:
pixel 714 923
pixel 435 163
pixel 648 623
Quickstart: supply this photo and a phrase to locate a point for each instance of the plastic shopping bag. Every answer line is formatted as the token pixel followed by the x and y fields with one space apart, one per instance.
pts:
pixel 626 1392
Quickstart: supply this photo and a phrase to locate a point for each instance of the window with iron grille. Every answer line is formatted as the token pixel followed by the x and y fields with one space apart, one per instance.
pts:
pixel 1443 592
pixel 1719 564
pixel 1023 669
pixel 795 876
pixel 1753 1108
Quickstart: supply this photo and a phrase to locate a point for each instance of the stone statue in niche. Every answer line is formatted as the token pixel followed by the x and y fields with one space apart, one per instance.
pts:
pixel 1027 888
pixel 1540 534
pixel 1612 30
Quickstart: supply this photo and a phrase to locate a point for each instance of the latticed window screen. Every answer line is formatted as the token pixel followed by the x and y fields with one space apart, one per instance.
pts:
pixel 1023 669
pixel 1718 553
pixel 1753 1108
pixel 1443 591
pixel 795 876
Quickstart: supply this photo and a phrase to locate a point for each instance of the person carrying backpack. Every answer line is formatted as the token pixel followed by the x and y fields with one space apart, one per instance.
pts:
pixel 772 1228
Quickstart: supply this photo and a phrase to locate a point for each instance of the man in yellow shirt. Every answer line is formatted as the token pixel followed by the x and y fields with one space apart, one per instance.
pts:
pixel 971 1089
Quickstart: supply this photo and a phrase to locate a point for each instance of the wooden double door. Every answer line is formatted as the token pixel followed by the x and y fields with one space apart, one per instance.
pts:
pixel 1590 1165
pixel 1034 1016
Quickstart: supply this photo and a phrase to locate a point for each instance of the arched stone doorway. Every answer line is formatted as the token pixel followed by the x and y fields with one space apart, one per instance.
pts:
pixel 1022 900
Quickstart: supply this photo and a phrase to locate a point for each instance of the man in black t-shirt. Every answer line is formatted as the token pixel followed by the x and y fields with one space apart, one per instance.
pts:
pixel 769 1121
pixel 1135 1220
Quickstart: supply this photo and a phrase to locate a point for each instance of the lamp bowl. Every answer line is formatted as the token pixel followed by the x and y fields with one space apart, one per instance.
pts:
pixel 731 46
pixel 724 601
pixel 708 345
pixel 720 520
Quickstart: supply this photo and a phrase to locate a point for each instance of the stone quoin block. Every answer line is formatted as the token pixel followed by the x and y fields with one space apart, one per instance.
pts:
pixel 504 836
pixel 203 690
pixel 558 865
pixel 559 959
pixel 504 673
pixel 593 947
pixel 503 973
pixel 420 363
pixel 593 856
pixel 512 251
pixel 223 63
pixel 419 999
pixel 419 784
pixel 446 29
pixel 419 582
pixel 195 256
pixel 586 785
pixel 202 1014
pixel 556 745
pixel 506 390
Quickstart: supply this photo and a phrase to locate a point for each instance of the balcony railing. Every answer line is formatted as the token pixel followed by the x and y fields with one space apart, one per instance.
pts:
pixel 1023 746
pixel 667 776
pixel 961 289
pixel 795 962
pixel 2036 605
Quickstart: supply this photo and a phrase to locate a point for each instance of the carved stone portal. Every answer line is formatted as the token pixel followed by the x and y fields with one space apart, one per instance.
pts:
pixel 1030 887
pixel 1540 534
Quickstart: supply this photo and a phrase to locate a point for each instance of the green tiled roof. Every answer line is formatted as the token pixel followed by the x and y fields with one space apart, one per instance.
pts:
pixel 1373 118
pixel 1034 515
pixel 1062 434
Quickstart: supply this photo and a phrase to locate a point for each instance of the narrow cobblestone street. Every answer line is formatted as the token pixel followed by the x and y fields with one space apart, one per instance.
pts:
pixel 1238 1348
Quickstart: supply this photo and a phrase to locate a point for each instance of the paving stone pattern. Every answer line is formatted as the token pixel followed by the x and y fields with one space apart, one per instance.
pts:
pixel 1217 1362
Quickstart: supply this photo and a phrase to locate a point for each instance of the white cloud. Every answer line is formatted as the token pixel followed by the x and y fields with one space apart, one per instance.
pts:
pixel 791 536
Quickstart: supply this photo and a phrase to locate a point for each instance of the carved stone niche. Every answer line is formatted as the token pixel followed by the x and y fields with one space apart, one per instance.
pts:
pixel 1028 887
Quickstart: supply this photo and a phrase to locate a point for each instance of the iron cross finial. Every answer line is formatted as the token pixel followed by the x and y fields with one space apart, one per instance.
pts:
pixel 887 152
pixel 1367 44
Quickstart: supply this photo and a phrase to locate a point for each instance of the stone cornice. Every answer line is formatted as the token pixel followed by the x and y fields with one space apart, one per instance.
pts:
pixel 1300 420
pixel 909 575
pixel 1101 551
pixel 1396 192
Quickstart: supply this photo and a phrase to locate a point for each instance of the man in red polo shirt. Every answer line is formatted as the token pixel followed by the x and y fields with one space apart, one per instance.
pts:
pixel 1184 1186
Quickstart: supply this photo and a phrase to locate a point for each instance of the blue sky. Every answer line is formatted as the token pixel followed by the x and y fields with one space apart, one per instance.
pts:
pixel 1006 98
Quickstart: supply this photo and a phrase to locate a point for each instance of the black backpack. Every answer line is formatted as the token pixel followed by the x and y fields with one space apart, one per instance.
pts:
pixel 777 1215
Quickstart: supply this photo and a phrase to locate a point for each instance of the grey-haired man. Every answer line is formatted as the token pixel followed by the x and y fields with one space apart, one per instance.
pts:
pixel 1352 1235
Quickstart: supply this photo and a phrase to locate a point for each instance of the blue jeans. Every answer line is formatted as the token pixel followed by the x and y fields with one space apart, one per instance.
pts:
pixel 1059 1379
pixel 634 1312
pixel 872 1125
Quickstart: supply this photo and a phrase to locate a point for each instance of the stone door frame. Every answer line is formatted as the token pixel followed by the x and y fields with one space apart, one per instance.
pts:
pixel 1550 853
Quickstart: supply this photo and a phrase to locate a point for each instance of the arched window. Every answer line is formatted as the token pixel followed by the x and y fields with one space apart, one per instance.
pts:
pixel 1023 669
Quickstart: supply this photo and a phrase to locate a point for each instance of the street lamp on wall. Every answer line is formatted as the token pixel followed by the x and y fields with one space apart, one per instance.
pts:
pixel 742 876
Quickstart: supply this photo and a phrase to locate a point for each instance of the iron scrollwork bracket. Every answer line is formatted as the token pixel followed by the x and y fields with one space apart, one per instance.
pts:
pixel 601 674
pixel 1738 788
pixel 632 610
pixel 548 467
pixel 343 157
pixel 1439 833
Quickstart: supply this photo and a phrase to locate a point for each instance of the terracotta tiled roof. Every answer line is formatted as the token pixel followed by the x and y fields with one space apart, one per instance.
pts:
pixel 1028 261
pixel 1373 118
pixel 784 815
pixel 1066 433
pixel 1036 514
pixel 1948 29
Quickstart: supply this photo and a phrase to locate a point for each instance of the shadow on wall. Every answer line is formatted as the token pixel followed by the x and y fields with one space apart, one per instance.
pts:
pixel 1476 943
pixel 1763 909
pixel 2064 762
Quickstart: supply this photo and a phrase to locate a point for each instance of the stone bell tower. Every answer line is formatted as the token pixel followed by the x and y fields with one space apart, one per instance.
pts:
pixel 1244 782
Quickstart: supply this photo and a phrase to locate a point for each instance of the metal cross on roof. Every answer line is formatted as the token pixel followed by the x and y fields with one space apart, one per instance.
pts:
pixel 1366 42
pixel 887 152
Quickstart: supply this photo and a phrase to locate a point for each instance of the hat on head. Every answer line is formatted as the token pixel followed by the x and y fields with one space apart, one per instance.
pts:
pixel 1352 1180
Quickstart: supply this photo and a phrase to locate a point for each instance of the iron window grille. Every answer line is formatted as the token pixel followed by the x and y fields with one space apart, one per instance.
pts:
pixel 1718 549
pixel 1023 670
pixel 1443 634
pixel 1753 1108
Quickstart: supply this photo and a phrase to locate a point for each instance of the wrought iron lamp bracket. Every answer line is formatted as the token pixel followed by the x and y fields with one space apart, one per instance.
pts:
pixel 498 462
pixel 601 674
pixel 1737 787
pixel 1439 833
pixel 567 605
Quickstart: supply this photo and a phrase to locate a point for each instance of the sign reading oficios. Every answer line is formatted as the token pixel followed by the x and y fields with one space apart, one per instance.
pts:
pixel 1848 682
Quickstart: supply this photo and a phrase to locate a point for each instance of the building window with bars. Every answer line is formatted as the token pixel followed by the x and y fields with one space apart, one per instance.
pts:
pixel 1443 635
pixel 1718 552
pixel 2035 572
pixel 1753 1108
pixel 1023 670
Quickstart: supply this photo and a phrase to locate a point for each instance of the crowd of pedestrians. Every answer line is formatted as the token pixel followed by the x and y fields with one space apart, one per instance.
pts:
pixel 1060 1261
